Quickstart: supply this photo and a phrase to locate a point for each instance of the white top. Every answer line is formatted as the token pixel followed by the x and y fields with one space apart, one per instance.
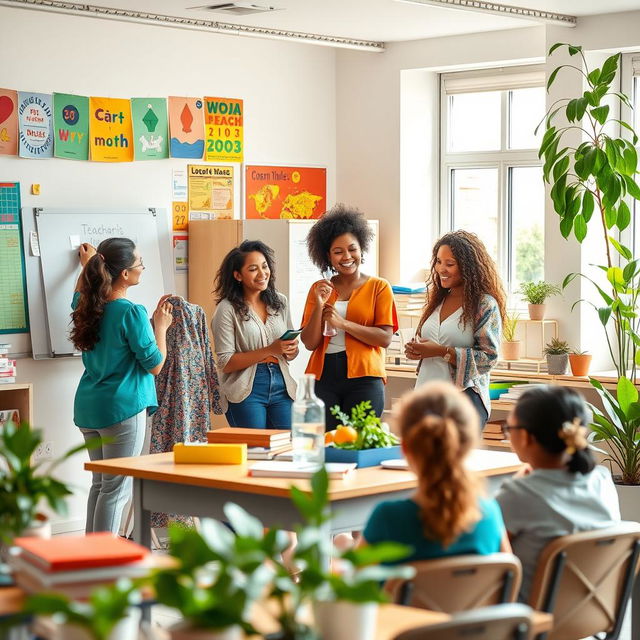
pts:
pixel 553 502
pixel 337 342
pixel 448 333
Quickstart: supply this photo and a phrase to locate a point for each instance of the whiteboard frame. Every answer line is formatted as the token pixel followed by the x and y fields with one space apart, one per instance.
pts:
pixel 38 322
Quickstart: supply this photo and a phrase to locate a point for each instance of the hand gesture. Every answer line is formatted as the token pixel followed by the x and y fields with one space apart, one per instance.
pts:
pixel 286 348
pixel 85 252
pixel 331 316
pixel 322 291
pixel 163 315
pixel 418 349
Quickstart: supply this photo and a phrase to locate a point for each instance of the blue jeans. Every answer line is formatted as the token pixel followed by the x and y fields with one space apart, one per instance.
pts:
pixel 109 494
pixel 268 406
pixel 476 401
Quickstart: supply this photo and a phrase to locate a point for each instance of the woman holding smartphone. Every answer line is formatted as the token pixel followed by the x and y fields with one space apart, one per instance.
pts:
pixel 256 387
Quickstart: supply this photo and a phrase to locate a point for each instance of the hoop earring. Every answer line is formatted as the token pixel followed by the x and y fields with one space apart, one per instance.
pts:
pixel 362 260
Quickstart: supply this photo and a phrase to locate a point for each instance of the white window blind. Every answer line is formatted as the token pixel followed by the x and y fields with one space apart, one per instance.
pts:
pixel 500 79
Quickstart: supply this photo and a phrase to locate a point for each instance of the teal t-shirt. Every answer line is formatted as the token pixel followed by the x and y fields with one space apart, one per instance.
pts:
pixel 116 383
pixel 399 521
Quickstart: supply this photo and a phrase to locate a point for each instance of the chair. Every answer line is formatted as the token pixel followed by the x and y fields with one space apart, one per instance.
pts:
pixel 500 622
pixel 459 583
pixel 585 580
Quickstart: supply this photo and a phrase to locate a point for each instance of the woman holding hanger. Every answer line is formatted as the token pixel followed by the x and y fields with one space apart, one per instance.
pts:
pixel 459 333
pixel 349 317
pixel 121 353
pixel 252 359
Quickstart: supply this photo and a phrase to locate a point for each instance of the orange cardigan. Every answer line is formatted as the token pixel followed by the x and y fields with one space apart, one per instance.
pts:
pixel 371 305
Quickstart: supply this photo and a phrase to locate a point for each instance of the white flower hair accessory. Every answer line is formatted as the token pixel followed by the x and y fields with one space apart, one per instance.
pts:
pixel 574 435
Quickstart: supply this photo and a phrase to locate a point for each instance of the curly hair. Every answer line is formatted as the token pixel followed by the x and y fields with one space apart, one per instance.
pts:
pixel 477 270
pixel 543 411
pixel 339 220
pixel 439 427
pixel 226 287
pixel 112 257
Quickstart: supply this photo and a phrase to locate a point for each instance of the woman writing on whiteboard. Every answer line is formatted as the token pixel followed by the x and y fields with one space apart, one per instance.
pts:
pixel 248 325
pixel 459 333
pixel 121 353
pixel 348 319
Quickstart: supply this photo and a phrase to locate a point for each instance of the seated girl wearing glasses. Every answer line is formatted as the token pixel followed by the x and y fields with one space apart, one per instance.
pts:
pixel 448 514
pixel 561 491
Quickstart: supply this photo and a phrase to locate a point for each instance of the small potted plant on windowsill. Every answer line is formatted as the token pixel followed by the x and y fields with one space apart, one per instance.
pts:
pixel 580 362
pixel 557 352
pixel 360 438
pixel 535 293
pixel 510 346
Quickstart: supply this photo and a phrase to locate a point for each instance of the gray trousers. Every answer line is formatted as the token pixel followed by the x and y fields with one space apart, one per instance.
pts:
pixel 109 494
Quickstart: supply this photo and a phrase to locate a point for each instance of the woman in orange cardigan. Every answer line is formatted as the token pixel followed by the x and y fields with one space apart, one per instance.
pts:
pixel 357 308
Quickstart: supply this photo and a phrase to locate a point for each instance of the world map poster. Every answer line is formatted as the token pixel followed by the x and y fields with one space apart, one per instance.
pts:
pixel 287 193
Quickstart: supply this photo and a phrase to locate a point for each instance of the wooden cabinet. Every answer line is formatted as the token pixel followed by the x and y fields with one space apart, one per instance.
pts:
pixel 20 397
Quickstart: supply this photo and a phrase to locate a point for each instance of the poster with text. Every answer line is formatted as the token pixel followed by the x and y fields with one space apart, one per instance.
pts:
pixel 210 191
pixel 297 193
pixel 8 122
pixel 35 119
pixel 150 128
pixel 71 126
pixel 181 251
pixel 110 130
pixel 224 129
pixel 186 127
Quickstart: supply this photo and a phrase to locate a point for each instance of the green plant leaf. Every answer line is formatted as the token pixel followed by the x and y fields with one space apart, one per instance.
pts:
pixel 594 76
pixel 604 313
pixel 600 113
pixel 560 167
pixel 580 228
pixel 587 205
pixel 566 225
pixel 243 523
pixel 610 217
pixel 610 65
pixel 626 393
pixel 624 217
pixel 620 248
pixel 632 187
pixel 556 46
pixel 630 160
pixel 571 110
pixel 612 192
pixel 627 126
pixel 630 270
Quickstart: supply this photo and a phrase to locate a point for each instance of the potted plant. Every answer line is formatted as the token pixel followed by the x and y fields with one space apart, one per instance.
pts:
pixel 218 575
pixel 580 361
pixel 557 352
pixel 535 293
pixel 598 177
pixel 360 438
pixel 510 346
pixel 109 614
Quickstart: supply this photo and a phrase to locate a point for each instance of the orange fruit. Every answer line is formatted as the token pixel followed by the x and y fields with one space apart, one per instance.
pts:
pixel 329 436
pixel 345 434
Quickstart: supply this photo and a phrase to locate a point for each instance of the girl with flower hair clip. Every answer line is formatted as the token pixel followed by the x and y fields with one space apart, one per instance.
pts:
pixel 561 490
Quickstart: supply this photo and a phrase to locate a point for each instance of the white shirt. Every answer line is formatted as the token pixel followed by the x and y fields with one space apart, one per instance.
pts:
pixel 337 342
pixel 448 333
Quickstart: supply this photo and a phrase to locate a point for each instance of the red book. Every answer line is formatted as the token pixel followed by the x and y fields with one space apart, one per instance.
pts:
pixel 65 553
pixel 268 438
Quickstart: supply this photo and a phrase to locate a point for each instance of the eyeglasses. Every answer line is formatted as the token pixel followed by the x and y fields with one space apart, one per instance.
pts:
pixel 136 266
pixel 507 427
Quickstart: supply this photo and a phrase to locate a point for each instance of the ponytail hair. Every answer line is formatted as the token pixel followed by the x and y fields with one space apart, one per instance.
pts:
pixel 113 256
pixel 557 417
pixel 439 427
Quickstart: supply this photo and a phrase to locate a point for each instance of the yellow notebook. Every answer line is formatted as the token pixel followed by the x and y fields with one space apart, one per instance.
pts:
pixel 205 453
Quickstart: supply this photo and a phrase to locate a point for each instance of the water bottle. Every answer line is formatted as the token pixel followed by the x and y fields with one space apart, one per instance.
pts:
pixel 307 424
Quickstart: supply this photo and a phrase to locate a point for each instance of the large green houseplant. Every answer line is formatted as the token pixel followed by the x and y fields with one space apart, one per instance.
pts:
pixel 598 177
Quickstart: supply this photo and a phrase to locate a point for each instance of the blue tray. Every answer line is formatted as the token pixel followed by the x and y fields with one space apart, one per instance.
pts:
pixel 363 457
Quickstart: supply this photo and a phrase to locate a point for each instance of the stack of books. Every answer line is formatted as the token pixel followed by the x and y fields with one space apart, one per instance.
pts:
pixel 75 565
pixel 493 430
pixel 262 444
pixel 279 469
pixel 517 390
pixel 7 365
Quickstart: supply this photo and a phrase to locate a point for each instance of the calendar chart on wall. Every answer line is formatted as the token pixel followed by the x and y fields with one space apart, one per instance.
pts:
pixel 13 296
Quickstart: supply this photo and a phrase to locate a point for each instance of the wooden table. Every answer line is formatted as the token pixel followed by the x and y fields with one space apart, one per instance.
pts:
pixel 203 489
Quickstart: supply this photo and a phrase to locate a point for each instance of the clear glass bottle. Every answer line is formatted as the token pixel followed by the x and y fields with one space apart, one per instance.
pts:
pixel 308 424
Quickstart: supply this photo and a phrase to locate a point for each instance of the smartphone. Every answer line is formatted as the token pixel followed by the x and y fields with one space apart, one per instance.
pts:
pixel 291 334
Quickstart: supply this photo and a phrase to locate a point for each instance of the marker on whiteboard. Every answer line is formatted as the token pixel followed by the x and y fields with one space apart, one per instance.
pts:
pixel 34 244
pixel 74 241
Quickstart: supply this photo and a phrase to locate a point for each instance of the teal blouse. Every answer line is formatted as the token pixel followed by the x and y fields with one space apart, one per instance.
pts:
pixel 116 383
pixel 399 521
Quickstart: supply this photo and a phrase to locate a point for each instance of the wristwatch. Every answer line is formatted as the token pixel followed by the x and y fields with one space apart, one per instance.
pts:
pixel 447 356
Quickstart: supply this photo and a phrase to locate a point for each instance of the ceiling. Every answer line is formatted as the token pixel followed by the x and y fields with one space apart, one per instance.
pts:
pixel 377 20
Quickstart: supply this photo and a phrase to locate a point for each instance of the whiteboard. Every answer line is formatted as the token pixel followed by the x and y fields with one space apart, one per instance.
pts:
pixel 55 235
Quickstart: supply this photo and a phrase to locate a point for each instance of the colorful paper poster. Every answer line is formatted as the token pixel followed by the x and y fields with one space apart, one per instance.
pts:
pixel 285 192
pixel 180 251
pixel 186 127
pixel 35 118
pixel 71 126
pixel 210 190
pixel 224 129
pixel 150 128
pixel 180 215
pixel 110 130
pixel 8 122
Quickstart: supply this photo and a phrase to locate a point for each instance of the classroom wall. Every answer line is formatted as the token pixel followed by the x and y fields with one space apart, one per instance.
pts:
pixel 289 98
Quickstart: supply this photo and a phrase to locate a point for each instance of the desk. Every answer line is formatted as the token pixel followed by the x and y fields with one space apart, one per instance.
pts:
pixel 203 489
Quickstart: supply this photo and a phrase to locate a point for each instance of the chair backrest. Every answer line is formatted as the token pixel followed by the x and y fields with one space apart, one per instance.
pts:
pixel 459 583
pixel 585 580
pixel 500 622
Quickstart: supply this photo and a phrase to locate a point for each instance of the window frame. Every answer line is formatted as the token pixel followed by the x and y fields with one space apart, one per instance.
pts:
pixel 503 159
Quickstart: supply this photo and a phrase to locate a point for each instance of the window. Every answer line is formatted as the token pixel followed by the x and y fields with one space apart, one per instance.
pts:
pixel 491 177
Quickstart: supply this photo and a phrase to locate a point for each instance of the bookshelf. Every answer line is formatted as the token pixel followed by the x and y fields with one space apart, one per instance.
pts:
pixel 20 397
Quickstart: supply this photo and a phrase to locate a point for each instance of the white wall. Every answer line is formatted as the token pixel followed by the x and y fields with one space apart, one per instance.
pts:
pixel 289 98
